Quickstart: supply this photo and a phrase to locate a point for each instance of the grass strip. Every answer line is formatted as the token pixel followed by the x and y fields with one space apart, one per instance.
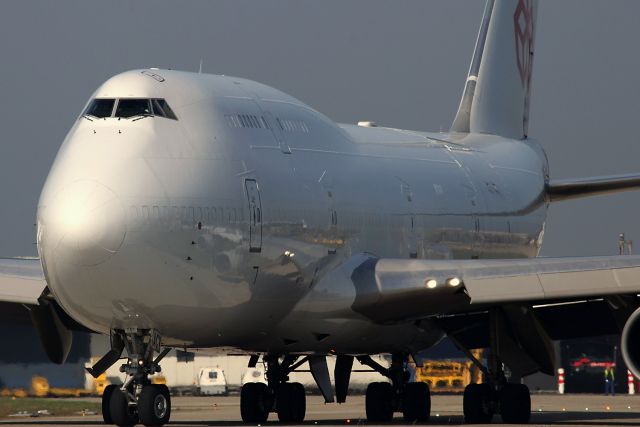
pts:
pixel 57 407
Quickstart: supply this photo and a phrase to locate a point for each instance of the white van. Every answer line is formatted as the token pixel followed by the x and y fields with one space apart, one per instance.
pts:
pixel 212 381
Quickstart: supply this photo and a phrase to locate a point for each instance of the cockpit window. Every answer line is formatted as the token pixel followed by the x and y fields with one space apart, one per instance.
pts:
pixel 130 107
pixel 100 108
pixel 161 108
pixel 133 107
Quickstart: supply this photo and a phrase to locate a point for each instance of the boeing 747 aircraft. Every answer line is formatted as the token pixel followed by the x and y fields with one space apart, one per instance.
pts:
pixel 197 211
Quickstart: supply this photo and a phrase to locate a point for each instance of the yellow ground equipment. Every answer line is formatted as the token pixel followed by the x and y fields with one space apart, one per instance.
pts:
pixel 445 376
pixel 158 379
pixel 99 384
pixel 13 392
pixel 40 388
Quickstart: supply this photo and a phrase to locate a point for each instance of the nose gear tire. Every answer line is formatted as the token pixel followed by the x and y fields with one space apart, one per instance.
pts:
pixel 106 400
pixel 122 414
pixel 154 405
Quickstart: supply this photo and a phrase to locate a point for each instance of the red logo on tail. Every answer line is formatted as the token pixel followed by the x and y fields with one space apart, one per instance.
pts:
pixel 523 23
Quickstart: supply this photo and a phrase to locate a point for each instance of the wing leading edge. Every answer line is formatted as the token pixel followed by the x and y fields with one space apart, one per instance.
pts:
pixel 558 190
pixel 545 279
pixel 21 280
pixel 390 290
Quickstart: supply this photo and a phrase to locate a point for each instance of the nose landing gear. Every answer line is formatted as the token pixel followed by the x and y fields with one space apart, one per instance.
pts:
pixel 137 400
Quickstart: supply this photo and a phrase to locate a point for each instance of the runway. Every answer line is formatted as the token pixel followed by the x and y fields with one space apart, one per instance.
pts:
pixel 573 410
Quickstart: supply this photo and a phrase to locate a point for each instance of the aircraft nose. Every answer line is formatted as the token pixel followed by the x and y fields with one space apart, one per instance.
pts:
pixel 84 224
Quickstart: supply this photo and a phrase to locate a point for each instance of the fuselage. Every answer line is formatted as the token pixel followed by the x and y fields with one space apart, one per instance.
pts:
pixel 229 226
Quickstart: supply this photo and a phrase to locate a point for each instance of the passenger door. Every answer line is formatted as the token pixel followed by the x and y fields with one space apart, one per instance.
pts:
pixel 276 129
pixel 255 215
pixel 410 226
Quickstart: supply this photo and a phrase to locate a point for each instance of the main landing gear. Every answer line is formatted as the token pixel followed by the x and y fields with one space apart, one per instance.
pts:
pixel 137 400
pixel 383 398
pixel 511 401
pixel 287 399
pixel 496 396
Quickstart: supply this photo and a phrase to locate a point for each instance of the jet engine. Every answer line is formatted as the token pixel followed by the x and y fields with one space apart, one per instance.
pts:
pixel 631 343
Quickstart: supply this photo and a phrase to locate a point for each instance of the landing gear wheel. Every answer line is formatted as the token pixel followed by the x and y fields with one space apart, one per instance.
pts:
pixel 416 402
pixel 291 403
pixel 154 405
pixel 122 414
pixel 515 404
pixel 255 403
pixel 379 402
pixel 106 399
pixel 476 403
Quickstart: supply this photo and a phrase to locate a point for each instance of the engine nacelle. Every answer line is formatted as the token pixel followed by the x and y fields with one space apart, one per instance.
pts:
pixel 631 343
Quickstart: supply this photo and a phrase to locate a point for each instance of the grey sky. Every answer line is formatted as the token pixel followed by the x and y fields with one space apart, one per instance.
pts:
pixel 401 63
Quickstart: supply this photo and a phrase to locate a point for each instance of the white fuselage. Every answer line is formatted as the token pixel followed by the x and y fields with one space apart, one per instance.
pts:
pixel 226 227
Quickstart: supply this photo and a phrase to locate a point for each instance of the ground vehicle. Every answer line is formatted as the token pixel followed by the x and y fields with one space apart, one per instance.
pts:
pixel 211 381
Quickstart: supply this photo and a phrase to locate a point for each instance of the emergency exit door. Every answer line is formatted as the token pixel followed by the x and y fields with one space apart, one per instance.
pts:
pixel 255 215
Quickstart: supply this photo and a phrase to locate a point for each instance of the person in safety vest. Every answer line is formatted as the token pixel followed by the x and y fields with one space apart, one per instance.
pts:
pixel 609 380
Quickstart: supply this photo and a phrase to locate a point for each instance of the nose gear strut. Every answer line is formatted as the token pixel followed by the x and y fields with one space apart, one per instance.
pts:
pixel 137 400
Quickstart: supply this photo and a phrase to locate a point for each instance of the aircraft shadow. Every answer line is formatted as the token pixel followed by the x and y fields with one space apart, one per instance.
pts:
pixel 548 418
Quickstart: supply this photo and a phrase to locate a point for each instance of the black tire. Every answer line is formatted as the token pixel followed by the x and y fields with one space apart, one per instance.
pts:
pixel 416 403
pixel 291 403
pixel 122 414
pixel 106 401
pixel 255 403
pixel 379 402
pixel 154 405
pixel 515 404
pixel 476 403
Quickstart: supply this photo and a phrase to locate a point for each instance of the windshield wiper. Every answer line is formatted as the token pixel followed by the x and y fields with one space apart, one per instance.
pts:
pixel 140 116
pixel 86 116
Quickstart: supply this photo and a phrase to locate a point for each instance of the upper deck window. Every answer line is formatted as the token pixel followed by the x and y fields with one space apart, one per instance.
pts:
pixel 246 121
pixel 100 108
pixel 133 107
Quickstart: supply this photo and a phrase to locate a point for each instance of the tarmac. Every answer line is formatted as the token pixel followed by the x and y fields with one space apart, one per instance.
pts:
pixel 550 409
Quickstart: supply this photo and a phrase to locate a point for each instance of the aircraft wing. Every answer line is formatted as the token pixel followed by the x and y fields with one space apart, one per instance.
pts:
pixel 544 279
pixel 21 280
pixel 558 190
pixel 537 300
pixel 389 290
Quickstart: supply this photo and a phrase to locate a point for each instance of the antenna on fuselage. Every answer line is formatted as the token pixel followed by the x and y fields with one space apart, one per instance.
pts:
pixel 200 69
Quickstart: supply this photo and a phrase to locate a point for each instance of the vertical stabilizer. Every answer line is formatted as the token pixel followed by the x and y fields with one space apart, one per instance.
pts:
pixel 461 121
pixel 496 95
